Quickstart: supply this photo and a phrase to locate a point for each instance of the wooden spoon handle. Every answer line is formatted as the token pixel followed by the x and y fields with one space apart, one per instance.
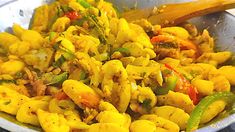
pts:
pixel 173 14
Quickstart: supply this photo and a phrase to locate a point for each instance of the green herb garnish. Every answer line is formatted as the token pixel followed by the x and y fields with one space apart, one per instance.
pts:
pixel 59 79
pixel 59 62
pixel 84 3
pixel 147 104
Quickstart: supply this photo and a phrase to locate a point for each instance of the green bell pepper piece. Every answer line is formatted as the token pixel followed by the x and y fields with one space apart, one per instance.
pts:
pixel 59 79
pixel 198 111
pixel 52 35
pixel 84 3
pixel 170 85
pixel 124 51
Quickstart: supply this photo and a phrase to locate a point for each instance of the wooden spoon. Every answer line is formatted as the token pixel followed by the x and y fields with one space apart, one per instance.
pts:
pixel 173 14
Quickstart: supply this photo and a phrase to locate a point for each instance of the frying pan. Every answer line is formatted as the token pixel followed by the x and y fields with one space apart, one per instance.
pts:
pixel 220 25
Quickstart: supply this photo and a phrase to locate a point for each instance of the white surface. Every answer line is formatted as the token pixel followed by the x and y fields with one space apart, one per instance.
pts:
pixel 4 2
pixel 17 11
pixel 12 127
pixel 232 11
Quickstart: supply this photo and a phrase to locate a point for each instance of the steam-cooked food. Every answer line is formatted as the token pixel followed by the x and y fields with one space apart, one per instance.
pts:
pixel 79 67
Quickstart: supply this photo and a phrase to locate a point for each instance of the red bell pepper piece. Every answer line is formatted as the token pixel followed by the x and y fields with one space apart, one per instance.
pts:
pixel 184 84
pixel 193 94
pixel 73 15
pixel 61 96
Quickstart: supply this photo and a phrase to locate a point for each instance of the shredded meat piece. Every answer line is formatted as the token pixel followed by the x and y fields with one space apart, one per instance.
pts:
pixel 29 74
pixel 39 88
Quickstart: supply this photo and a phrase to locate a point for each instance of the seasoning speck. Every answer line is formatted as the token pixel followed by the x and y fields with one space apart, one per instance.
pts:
pixel 21 13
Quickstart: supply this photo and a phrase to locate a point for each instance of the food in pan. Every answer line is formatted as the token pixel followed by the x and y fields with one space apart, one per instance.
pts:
pixel 80 67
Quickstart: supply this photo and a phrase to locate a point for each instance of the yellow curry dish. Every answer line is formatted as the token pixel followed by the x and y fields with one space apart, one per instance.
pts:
pixel 82 68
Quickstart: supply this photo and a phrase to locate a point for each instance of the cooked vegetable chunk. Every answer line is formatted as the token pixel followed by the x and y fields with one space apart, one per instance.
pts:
pixel 106 127
pixel 123 120
pixel 177 99
pixel 173 114
pixel 12 67
pixel 52 122
pixel 11 100
pixel 27 112
pixel 142 125
pixel 161 123
pixel 81 94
